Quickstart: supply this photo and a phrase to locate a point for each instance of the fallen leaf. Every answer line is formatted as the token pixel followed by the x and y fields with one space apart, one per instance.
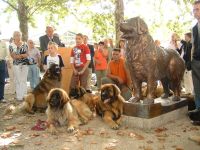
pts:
pixel 38 143
pixel 93 142
pixel 16 143
pixel 161 129
pixel 161 139
pixel 10 128
pixel 149 142
pixel 145 148
pixel 136 135
pixel 131 134
pixel 69 140
pixel 162 135
pixel 4 148
pixel 179 148
pixel 65 148
pixel 45 135
pixel 34 135
pixel 121 133
pixel 6 135
pixel 194 129
pixel 89 132
pixel 114 141
pixel 184 130
pixel 17 131
pixel 139 137
pixel 111 146
pixel 103 133
pixel 7 117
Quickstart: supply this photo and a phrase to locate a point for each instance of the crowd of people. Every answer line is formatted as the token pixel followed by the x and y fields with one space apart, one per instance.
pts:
pixel 23 61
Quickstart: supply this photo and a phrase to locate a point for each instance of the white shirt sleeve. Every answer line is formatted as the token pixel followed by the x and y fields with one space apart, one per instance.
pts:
pixel 71 60
pixel 88 57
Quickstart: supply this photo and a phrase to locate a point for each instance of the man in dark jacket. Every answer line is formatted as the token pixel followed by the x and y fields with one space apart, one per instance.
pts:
pixel 49 36
pixel 195 64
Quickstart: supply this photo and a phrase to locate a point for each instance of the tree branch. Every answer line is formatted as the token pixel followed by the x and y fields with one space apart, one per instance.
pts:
pixel 32 11
pixel 11 5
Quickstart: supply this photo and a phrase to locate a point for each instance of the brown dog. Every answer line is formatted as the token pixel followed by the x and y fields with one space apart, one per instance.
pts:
pixel 80 93
pixel 148 63
pixel 110 105
pixel 37 98
pixel 62 111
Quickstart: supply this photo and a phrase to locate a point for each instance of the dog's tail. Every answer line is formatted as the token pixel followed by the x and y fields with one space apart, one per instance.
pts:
pixel 25 106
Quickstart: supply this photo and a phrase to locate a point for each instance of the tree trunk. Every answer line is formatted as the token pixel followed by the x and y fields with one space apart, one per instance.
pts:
pixel 119 17
pixel 23 19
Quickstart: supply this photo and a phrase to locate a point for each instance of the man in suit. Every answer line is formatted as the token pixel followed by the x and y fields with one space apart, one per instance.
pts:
pixel 91 65
pixel 195 63
pixel 44 40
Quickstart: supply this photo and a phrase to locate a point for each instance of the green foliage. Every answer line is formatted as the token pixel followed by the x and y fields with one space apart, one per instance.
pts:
pixel 101 22
pixel 102 25
pixel 55 9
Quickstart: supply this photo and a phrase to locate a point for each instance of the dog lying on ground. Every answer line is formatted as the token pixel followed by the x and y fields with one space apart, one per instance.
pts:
pixel 110 105
pixel 37 98
pixel 80 93
pixel 63 111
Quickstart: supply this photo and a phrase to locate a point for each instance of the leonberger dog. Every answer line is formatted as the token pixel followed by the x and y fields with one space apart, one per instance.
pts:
pixel 37 98
pixel 63 111
pixel 149 63
pixel 110 105
pixel 80 93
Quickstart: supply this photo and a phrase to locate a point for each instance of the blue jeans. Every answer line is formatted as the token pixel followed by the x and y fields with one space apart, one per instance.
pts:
pixel 2 78
pixel 33 75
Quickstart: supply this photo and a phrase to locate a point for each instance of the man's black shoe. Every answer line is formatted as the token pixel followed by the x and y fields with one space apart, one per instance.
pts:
pixel 196 123
pixel 194 115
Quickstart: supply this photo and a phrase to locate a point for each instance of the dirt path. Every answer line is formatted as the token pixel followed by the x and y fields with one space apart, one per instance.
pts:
pixel 16 133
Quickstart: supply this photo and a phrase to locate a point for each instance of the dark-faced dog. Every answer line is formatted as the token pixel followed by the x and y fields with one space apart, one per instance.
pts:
pixel 63 111
pixel 110 105
pixel 80 93
pixel 37 98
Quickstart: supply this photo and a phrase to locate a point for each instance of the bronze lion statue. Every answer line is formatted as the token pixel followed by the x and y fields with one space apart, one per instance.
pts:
pixel 149 63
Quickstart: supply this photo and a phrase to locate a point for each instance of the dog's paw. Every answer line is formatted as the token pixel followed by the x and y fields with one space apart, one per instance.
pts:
pixel 119 122
pixel 53 130
pixel 115 126
pixel 70 129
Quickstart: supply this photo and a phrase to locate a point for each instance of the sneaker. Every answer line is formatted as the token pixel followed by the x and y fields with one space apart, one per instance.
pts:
pixel 3 101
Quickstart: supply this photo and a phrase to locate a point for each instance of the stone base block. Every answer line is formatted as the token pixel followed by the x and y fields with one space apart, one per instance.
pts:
pixel 147 116
pixel 150 123
pixel 160 106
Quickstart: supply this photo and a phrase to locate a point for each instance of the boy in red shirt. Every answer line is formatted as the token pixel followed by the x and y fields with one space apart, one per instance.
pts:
pixel 80 59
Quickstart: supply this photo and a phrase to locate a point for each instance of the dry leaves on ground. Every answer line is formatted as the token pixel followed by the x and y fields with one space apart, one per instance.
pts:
pixel 136 135
pixel 10 128
pixel 161 129
pixel 6 135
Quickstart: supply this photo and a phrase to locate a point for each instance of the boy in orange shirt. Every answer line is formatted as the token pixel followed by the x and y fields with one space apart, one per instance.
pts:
pixel 100 60
pixel 118 74
pixel 80 59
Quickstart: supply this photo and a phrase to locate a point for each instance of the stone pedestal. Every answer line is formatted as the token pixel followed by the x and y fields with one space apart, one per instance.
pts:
pixel 146 116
